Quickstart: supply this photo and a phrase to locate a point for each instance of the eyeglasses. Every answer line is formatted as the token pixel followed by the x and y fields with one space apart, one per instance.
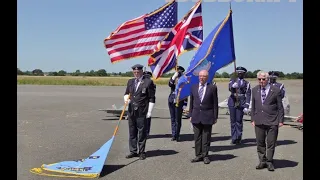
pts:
pixel 263 79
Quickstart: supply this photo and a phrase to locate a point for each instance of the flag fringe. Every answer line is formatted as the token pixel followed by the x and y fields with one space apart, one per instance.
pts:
pixel 44 172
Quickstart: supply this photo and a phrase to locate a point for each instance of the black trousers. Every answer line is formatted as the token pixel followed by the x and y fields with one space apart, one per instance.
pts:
pixel 266 149
pixel 148 125
pixel 202 139
pixel 137 132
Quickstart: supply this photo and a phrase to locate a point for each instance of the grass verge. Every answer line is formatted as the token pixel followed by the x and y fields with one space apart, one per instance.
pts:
pixel 86 81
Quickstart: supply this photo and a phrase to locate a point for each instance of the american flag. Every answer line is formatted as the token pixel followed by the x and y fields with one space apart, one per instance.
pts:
pixel 140 36
pixel 185 36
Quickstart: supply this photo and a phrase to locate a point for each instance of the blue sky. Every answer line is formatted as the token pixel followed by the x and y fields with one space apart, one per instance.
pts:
pixel 68 35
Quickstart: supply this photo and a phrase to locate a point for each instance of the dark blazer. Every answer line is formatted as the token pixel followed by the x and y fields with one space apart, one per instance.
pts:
pixel 271 112
pixel 140 99
pixel 206 111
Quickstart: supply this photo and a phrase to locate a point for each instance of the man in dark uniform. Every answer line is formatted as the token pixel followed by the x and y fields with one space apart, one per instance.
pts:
pixel 175 109
pixel 141 103
pixel 273 75
pixel 238 103
pixel 148 74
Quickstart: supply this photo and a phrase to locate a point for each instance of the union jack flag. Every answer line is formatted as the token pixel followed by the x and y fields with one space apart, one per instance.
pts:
pixel 140 36
pixel 187 35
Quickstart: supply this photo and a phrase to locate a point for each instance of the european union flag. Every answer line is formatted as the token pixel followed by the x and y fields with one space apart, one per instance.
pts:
pixel 216 51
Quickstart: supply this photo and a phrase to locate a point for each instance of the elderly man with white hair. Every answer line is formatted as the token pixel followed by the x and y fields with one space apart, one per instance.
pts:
pixel 267 115
pixel 140 95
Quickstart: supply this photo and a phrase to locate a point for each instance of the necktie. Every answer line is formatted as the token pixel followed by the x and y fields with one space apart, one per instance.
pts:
pixel 136 84
pixel 201 92
pixel 263 94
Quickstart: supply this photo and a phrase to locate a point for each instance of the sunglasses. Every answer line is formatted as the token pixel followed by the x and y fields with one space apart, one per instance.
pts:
pixel 263 79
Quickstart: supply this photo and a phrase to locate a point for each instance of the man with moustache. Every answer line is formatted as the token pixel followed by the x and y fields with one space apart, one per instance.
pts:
pixel 267 115
pixel 203 114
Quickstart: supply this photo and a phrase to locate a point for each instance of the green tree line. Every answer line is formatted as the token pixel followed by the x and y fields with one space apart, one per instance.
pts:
pixel 104 73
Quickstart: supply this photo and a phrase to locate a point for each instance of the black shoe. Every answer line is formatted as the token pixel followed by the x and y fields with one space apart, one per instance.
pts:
pixel 178 139
pixel 131 155
pixel 270 167
pixel 261 166
pixel 197 159
pixel 238 141
pixel 233 142
pixel 206 160
pixel 142 156
pixel 173 139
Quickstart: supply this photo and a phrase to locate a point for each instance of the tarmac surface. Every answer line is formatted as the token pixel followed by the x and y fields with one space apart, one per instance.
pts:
pixel 60 123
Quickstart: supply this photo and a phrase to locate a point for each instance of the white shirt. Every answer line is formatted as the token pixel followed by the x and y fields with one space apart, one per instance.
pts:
pixel 138 83
pixel 267 89
pixel 204 90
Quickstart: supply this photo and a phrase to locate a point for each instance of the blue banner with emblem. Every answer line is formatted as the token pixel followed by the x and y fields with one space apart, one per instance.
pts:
pixel 89 167
pixel 216 51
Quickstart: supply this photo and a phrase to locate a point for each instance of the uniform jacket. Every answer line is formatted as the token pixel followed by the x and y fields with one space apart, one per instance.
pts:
pixel 271 112
pixel 281 87
pixel 139 100
pixel 206 111
pixel 244 93
pixel 172 96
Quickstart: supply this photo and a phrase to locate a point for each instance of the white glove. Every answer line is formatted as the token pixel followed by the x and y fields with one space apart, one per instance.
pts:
pixel 126 98
pixel 175 76
pixel 245 110
pixel 235 85
pixel 150 108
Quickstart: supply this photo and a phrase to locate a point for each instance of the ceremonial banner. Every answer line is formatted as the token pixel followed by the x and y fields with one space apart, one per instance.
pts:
pixel 140 36
pixel 185 36
pixel 216 51
pixel 89 167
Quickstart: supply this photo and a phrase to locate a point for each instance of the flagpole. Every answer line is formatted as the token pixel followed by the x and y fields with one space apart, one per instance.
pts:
pixel 121 116
pixel 235 67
